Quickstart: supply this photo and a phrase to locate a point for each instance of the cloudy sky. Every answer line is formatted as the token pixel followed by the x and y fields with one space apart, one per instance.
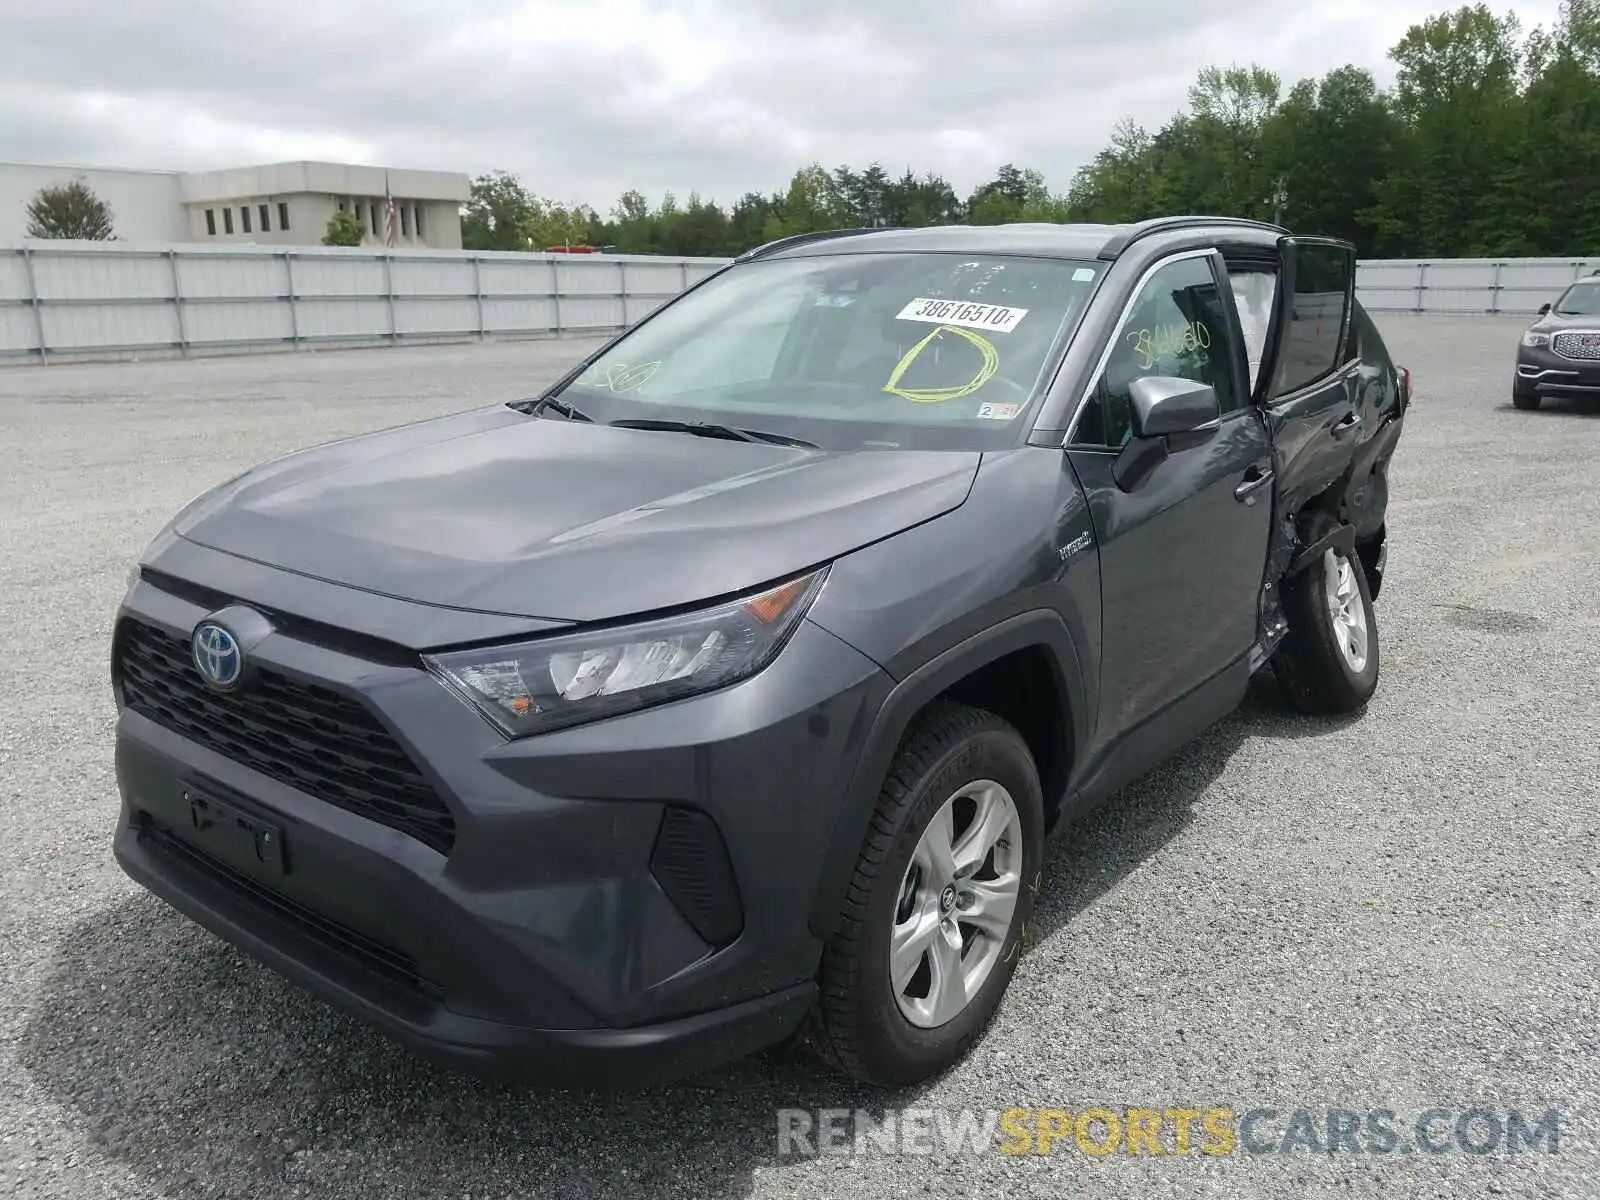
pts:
pixel 584 98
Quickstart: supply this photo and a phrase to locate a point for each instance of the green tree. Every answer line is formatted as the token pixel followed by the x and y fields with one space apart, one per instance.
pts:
pixel 862 196
pixel 1547 194
pixel 1330 142
pixel 1007 197
pixel 915 200
pixel 631 229
pixel 813 203
pixel 1210 158
pixel 344 229
pixel 747 223
pixel 498 213
pixel 69 210
pixel 549 223
pixel 1457 100
pixel 1119 182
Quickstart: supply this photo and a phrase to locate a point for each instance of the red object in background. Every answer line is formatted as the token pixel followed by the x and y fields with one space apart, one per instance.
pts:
pixel 571 250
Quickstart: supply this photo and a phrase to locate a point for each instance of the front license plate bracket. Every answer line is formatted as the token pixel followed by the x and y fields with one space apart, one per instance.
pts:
pixel 239 831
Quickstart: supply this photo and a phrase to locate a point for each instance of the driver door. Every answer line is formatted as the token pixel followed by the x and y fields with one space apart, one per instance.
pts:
pixel 1183 550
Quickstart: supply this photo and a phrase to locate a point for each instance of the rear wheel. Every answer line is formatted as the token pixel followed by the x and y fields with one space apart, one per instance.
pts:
pixel 1328 663
pixel 936 912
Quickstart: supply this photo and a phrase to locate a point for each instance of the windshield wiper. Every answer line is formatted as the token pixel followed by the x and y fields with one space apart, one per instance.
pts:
pixel 534 407
pixel 708 429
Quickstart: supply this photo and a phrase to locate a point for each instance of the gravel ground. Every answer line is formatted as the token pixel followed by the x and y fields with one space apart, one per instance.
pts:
pixel 1397 911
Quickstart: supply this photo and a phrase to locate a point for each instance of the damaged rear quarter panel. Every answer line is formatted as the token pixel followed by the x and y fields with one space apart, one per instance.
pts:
pixel 1318 469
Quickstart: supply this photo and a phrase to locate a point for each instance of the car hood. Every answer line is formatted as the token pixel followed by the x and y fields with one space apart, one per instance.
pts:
pixel 1554 322
pixel 501 512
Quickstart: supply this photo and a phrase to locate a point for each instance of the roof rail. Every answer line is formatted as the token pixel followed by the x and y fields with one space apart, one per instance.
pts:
pixel 1155 225
pixel 797 239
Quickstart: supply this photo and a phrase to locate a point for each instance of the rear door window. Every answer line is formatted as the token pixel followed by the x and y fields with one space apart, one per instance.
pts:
pixel 1313 339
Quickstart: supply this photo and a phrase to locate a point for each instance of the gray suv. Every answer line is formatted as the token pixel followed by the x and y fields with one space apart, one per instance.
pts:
pixel 1559 355
pixel 725 693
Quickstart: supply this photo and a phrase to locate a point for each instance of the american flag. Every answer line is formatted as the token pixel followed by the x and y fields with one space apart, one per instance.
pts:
pixel 388 214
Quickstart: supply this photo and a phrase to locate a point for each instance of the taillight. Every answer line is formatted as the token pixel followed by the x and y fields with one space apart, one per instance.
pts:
pixel 1405 386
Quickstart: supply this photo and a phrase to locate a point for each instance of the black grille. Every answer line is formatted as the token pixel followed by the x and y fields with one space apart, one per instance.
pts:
pixel 382 959
pixel 310 737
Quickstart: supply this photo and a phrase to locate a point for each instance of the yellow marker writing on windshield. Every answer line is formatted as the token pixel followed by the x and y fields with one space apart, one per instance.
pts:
pixel 618 377
pixel 991 363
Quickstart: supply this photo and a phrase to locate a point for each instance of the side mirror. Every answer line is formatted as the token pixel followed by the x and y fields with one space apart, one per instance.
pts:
pixel 1168 414
pixel 1544 308
pixel 1164 406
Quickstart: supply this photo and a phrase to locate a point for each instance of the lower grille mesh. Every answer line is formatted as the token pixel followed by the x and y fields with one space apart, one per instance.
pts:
pixel 393 964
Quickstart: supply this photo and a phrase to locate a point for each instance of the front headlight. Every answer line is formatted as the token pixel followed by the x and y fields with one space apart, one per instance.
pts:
pixel 567 679
pixel 1532 339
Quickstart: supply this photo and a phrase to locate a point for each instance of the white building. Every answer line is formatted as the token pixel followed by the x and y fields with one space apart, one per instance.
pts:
pixel 277 204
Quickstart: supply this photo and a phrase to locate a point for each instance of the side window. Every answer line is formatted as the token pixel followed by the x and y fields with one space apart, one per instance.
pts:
pixel 1310 345
pixel 1178 327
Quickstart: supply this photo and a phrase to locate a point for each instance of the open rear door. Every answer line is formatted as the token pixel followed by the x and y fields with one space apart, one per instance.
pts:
pixel 1307 384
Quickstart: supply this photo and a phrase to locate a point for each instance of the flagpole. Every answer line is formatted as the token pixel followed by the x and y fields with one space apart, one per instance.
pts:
pixel 388 211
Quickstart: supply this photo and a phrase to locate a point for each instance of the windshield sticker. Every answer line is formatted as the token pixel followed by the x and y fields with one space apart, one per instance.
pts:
pixel 991 363
pixel 1083 275
pixel 1153 344
pixel 991 318
pixel 998 412
pixel 619 377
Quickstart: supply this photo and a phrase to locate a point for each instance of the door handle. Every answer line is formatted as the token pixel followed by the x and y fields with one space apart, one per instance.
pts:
pixel 1254 480
pixel 1343 427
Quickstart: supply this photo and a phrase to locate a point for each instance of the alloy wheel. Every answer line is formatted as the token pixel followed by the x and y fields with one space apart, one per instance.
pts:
pixel 956 904
pixel 1345 609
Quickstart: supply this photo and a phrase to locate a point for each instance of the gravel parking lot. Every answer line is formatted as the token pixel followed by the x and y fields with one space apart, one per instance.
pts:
pixel 1397 911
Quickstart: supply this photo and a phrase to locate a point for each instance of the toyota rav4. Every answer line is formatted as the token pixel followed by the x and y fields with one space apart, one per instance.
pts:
pixel 725 693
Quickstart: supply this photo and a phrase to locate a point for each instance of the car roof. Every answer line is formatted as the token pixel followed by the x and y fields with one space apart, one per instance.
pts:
pixel 1037 239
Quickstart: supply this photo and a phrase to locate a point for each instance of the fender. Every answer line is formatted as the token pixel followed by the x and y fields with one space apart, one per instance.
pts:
pixel 1038 627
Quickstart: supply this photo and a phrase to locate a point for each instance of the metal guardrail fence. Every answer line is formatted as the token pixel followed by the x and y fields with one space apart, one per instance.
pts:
pixel 75 301
pixel 1509 286
pixel 71 301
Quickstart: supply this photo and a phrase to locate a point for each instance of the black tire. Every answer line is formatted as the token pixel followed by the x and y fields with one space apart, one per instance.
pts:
pixel 857 1026
pixel 1310 665
pixel 1526 401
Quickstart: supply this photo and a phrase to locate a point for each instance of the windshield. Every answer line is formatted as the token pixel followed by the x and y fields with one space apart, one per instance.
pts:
pixel 846 350
pixel 1580 300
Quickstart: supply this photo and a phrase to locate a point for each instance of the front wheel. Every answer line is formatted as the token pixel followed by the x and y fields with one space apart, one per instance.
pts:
pixel 1328 663
pixel 1526 401
pixel 936 912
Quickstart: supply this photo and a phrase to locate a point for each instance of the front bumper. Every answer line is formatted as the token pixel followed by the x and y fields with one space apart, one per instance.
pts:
pixel 551 937
pixel 1541 371
pixel 581 1057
